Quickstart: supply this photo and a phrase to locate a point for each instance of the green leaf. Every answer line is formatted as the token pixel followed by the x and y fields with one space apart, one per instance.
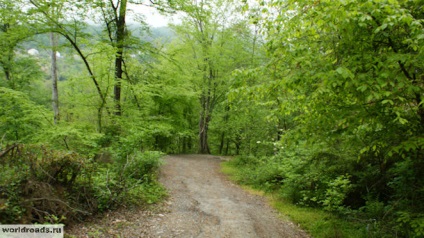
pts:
pixel 345 73
pixel 387 101
pixel 362 88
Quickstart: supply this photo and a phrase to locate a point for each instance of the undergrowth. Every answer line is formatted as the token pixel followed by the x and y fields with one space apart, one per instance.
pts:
pixel 39 184
pixel 329 220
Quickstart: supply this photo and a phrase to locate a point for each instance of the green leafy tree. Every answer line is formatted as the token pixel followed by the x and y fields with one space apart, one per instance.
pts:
pixel 208 36
pixel 350 73
pixel 67 20
pixel 114 16
pixel 20 118
pixel 13 31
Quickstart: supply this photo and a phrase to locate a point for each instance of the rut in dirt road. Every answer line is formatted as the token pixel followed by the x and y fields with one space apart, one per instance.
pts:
pixel 203 203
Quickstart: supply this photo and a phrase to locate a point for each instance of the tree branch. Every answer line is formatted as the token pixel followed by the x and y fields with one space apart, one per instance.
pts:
pixel 8 149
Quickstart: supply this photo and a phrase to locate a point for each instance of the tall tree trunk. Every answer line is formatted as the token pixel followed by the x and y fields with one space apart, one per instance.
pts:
pixel 6 62
pixel 120 38
pixel 203 132
pixel 226 118
pixel 204 123
pixel 227 147
pixel 206 102
pixel 55 94
pixel 7 65
pixel 221 145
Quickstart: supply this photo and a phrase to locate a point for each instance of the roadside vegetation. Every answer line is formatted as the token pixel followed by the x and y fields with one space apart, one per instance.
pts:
pixel 317 222
pixel 334 120
pixel 325 216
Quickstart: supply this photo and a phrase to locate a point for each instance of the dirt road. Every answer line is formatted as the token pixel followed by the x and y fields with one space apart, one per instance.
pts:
pixel 205 204
pixel 202 204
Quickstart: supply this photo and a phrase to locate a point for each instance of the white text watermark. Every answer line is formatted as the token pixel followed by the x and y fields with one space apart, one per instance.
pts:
pixel 31 231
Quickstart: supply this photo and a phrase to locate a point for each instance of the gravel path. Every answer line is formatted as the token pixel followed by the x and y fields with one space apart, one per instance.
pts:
pixel 203 203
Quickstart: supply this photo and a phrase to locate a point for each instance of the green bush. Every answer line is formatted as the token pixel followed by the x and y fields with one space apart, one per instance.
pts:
pixel 140 165
pixel 258 172
pixel 20 118
pixel 72 137
pixel 245 160
pixel 336 193
pixel 130 180
pixel 39 184
pixel 370 192
pixel 410 224
pixel 43 178
pixel 149 193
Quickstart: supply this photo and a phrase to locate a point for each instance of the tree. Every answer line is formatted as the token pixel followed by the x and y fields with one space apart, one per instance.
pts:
pixel 55 93
pixel 70 28
pixel 13 31
pixel 238 115
pixel 205 31
pixel 354 82
pixel 114 15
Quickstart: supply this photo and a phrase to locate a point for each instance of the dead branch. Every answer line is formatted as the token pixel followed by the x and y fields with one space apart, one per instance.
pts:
pixel 8 149
pixel 58 201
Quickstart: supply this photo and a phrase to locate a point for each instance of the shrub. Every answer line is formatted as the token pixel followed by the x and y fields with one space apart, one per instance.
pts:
pixel 20 118
pixel 245 160
pixel 130 180
pixel 39 184
pixel 43 180
pixel 140 165
pixel 336 193
pixel 410 224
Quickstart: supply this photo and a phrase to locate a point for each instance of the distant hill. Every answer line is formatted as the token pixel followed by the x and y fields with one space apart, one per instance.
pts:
pixel 155 33
pixel 163 32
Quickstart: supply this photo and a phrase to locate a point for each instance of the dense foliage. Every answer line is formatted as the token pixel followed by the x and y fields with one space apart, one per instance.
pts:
pixel 90 159
pixel 344 88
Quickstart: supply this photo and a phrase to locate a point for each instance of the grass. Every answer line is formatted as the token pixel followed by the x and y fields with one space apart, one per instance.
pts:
pixel 318 223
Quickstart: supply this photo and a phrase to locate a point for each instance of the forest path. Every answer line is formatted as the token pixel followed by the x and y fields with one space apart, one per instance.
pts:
pixel 202 203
